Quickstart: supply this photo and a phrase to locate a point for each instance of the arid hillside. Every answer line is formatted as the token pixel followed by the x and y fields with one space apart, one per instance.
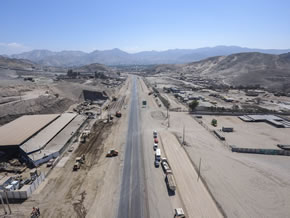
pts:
pixel 271 71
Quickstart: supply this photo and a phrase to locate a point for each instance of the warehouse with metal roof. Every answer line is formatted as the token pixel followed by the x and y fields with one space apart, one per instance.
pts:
pixel 22 129
pixel 38 138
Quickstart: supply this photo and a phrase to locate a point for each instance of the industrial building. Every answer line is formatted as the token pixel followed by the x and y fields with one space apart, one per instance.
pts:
pixel 271 119
pixel 39 138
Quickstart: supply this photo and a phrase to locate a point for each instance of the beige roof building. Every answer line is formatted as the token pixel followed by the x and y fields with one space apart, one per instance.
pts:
pixel 20 130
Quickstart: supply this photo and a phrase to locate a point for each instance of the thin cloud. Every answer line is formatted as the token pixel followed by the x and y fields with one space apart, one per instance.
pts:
pixel 12 48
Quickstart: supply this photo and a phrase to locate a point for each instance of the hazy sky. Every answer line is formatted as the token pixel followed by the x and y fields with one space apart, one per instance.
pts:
pixel 137 25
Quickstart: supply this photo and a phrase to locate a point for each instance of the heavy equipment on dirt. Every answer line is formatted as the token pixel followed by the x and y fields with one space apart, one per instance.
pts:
pixel 118 114
pixel 112 153
pixel 76 166
pixel 78 162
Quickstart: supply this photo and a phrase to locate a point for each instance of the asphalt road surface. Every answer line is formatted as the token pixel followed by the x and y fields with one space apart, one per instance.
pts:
pixel 133 197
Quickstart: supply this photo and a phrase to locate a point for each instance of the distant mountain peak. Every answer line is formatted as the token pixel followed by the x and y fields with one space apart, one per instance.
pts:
pixel 117 56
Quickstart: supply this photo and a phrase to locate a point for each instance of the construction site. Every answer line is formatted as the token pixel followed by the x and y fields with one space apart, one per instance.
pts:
pixel 84 158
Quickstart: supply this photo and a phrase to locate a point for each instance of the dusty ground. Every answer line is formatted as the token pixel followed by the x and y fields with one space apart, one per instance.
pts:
pixel 243 185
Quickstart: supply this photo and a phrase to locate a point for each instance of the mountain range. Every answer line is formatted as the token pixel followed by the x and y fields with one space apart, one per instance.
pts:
pixel 119 57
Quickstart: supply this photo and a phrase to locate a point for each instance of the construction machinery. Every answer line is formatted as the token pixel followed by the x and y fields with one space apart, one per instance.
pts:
pixel 85 134
pixel 112 153
pixel 76 166
pixel 78 162
pixel 118 114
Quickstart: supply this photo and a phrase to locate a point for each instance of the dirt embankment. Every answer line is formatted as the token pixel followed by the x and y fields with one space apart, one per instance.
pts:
pixel 41 105
pixel 33 98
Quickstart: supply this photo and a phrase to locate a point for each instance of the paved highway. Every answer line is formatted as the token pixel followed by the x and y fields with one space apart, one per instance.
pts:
pixel 133 196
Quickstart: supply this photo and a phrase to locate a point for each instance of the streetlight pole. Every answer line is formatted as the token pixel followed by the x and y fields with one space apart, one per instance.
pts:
pixel 183 138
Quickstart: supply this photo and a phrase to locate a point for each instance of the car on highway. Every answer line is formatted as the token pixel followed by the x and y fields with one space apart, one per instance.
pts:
pixel 154 133
pixel 155 146
pixel 158 154
pixel 179 213
pixel 156 163
pixel 156 140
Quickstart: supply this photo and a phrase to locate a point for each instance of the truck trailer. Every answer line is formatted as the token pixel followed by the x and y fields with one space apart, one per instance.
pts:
pixel 170 181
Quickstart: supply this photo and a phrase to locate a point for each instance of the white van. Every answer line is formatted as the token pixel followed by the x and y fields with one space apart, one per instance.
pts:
pixel 158 154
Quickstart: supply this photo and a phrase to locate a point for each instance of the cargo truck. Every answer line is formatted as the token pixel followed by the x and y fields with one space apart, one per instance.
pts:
pixel 170 181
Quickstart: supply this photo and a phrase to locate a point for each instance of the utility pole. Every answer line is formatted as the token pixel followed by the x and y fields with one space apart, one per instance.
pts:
pixel 183 137
pixel 2 202
pixel 168 117
pixel 7 202
pixel 199 169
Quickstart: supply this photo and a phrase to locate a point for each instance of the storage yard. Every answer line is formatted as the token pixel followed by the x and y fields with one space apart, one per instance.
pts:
pixel 249 134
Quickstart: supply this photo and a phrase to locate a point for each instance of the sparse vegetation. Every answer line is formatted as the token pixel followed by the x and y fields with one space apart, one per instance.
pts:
pixel 214 122
pixel 192 105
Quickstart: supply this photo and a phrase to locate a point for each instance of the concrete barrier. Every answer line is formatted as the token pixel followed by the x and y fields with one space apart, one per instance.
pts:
pixel 219 135
pixel 260 151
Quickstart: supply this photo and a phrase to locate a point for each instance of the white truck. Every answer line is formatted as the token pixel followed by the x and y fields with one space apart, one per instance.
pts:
pixel 158 154
pixel 179 213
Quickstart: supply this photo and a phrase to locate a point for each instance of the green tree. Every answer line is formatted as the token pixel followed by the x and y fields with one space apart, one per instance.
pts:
pixel 214 122
pixel 192 105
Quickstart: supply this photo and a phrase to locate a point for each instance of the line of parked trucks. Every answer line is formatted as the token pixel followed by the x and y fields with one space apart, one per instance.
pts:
pixel 170 181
